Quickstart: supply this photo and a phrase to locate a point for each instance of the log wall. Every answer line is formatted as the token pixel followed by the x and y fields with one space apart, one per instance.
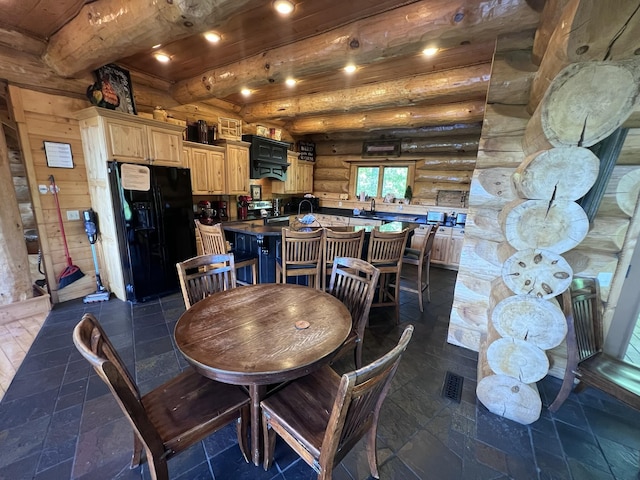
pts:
pixel 43 117
pixel 602 254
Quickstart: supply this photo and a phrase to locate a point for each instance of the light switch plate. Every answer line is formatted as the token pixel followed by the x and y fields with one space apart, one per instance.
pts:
pixel 73 215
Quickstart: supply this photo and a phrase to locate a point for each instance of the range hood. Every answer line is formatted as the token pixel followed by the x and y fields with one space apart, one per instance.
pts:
pixel 267 158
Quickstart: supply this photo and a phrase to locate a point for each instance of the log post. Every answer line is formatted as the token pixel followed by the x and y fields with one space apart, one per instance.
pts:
pixel 15 282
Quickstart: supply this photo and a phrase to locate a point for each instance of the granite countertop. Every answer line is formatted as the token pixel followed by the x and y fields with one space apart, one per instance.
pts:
pixel 268 230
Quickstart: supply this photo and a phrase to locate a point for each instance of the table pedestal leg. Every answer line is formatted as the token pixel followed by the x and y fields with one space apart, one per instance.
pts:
pixel 257 393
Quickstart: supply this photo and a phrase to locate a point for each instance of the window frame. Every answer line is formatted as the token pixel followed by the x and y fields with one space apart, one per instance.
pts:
pixel 382 164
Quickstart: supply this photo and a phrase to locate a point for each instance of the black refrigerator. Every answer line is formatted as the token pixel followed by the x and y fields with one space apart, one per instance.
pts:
pixel 154 223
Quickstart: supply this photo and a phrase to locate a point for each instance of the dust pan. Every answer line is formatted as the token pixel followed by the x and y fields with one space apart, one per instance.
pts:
pixel 71 272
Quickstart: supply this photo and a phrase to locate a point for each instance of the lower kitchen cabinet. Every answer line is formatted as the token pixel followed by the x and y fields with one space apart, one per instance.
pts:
pixel 447 246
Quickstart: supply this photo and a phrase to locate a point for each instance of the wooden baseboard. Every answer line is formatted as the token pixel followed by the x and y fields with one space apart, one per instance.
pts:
pixel 33 306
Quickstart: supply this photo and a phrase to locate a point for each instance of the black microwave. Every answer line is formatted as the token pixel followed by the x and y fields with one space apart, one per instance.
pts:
pixel 294 204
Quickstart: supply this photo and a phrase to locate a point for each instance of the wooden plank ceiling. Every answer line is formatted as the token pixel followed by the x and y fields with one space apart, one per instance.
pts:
pixel 260 49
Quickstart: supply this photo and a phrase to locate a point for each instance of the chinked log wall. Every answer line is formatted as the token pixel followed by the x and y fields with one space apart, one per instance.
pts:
pixel 605 251
pixel 444 160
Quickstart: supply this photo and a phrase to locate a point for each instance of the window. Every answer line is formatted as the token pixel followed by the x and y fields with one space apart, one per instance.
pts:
pixel 380 180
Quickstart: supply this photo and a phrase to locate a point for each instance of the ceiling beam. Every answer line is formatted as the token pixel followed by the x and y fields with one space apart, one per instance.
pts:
pixel 108 30
pixel 447 86
pixel 437 131
pixel 432 115
pixel 402 31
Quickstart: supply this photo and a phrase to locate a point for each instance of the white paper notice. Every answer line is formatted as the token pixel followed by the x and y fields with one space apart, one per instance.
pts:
pixel 58 154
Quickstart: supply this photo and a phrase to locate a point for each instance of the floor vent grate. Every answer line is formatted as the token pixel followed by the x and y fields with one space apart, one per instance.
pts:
pixel 452 387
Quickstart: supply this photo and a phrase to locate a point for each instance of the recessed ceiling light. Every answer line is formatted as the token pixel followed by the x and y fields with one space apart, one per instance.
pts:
pixel 246 92
pixel 430 51
pixel 284 7
pixel 350 68
pixel 162 58
pixel 290 82
pixel 213 37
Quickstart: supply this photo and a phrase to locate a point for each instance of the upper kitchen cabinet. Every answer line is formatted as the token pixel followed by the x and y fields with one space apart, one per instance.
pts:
pixel 132 139
pixel 299 177
pixel 236 166
pixel 207 165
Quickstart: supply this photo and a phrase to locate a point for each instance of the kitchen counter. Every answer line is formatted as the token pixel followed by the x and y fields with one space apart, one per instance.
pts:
pixel 264 241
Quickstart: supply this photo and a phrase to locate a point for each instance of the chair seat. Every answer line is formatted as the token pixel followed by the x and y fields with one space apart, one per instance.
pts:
pixel 304 407
pixel 604 368
pixel 191 403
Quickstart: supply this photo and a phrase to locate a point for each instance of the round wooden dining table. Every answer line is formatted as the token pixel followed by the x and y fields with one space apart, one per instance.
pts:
pixel 259 335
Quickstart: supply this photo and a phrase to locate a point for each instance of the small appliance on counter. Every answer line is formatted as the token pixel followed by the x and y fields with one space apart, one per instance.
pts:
pixel 461 219
pixel 223 211
pixel 436 217
pixel 206 213
pixel 257 207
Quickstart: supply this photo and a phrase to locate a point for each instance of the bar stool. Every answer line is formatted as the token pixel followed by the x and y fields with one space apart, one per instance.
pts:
pixel 339 244
pixel 385 253
pixel 301 255
pixel 214 242
pixel 421 257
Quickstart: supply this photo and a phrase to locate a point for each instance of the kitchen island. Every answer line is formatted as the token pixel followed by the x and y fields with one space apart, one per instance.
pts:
pixel 264 241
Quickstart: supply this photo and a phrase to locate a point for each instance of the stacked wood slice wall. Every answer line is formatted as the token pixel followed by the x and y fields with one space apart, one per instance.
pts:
pixel 522 217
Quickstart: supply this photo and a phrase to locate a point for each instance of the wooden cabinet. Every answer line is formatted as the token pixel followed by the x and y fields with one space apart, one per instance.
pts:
pixel 236 166
pixel 441 245
pixel 133 139
pixel 455 246
pixel 207 164
pixel 299 178
pixel 305 176
pixel 447 246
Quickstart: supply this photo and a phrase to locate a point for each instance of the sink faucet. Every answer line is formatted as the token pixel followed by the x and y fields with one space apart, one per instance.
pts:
pixel 373 205
pixel 303 201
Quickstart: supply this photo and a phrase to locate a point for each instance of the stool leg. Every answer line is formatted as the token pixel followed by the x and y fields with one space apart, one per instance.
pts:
pixel 420 287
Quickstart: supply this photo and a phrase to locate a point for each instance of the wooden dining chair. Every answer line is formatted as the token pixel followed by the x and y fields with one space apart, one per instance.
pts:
pixel 353 282
pixel 339 244
pixel 420 257
pixel 322 416
pixel 587 363
pixel 204 275
pixel 171 417
pixel 385 252
pixel 214 242
pixel 301 255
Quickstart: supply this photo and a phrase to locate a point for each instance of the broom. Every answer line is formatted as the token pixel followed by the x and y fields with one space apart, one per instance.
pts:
pixel 71 272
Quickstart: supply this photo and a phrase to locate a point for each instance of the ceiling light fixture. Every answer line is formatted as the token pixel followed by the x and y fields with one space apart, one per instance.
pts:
pixel 283 7
pixel 246 92
pixel 213 37
pixel 430 51
pixel 350 68
pixel 157 46
pixel 162 58
pixel 290 82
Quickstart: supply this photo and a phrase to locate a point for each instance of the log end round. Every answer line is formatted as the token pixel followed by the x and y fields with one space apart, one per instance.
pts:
pixel 537 272
pixel 531 319
pixel 566 173
pixel 517 358
pixel 582 107
pixel 510 398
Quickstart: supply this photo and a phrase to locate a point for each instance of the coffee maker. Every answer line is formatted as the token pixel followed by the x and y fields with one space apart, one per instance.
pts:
pixel 223 210
pixel 206 214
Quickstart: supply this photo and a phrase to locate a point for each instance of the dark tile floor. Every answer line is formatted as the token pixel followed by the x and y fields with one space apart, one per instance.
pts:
pixel 58 421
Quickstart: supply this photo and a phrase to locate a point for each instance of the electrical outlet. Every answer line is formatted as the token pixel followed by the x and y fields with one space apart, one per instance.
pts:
pixel 339 204
pixel 73 215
